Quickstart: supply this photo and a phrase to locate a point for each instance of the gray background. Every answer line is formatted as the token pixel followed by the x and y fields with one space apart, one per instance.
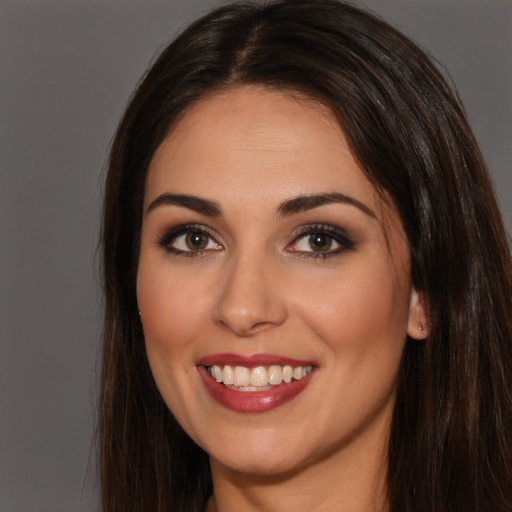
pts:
pixel 67 69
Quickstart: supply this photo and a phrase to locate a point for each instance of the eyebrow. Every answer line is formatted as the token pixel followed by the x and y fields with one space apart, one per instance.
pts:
pixel 195 203
pixel 289 207
pixel 309 202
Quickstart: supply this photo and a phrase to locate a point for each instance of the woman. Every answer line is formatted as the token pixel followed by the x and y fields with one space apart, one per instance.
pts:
pixel 307 278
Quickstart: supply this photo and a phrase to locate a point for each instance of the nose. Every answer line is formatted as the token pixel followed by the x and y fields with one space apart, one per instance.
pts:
pixel 251 298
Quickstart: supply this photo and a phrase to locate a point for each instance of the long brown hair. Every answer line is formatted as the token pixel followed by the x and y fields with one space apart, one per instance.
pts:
pixel 451 438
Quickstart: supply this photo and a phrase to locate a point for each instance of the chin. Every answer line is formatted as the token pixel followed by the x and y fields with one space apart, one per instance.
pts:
pixel 263 455
pixel 261 466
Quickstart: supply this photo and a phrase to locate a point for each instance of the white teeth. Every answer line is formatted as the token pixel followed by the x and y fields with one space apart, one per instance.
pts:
pixel 228 376
pixel 275 375
pixel 242 378
pixel 259 376
pixel 217 373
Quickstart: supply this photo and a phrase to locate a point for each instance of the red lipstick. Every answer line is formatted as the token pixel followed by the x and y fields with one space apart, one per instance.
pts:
pixel 252 401
pixel 251 361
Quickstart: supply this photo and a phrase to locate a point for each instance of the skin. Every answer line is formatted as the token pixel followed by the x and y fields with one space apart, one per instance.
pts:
pixel 259 286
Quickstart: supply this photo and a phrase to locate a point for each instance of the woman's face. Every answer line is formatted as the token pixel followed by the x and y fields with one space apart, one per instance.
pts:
pixel 264 262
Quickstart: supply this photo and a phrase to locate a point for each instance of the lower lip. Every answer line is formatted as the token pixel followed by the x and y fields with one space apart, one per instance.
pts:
pixel 253 401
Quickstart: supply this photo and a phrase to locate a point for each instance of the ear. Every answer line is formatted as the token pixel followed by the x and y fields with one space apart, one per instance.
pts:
pixel 417 326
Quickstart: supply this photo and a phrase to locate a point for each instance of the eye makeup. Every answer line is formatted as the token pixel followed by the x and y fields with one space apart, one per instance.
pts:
pixel 189 240
pixel 319 240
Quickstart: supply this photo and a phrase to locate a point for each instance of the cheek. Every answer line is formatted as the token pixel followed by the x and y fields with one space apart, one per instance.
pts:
pixel 161 311
pixel 171 319
pixel 363 309
pixel 172 307
pixel 362 321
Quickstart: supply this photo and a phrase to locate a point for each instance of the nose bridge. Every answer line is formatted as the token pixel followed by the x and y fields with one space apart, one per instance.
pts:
pixel 250 299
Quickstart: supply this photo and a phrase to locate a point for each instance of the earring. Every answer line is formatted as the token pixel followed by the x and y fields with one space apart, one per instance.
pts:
pixel 140 320
pixel 422 330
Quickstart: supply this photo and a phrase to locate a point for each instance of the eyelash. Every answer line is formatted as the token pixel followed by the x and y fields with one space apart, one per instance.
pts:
pixel 173 234
pixel 333 233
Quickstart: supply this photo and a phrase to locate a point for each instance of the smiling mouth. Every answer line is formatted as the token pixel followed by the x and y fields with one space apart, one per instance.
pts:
pixel 259 378
pixel 254 384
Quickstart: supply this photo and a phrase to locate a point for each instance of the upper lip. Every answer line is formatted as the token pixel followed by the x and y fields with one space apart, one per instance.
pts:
pixel 251 361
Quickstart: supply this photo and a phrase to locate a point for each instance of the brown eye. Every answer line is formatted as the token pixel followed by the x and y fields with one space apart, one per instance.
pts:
pixel 196 241
pixel 320 242
pixel 190 239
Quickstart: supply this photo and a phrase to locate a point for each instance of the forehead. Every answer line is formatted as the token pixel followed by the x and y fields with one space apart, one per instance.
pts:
pixel 260 141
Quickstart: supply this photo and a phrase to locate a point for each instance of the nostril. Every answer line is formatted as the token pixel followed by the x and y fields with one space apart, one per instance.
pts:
pixel 249 301
pixel 244 326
